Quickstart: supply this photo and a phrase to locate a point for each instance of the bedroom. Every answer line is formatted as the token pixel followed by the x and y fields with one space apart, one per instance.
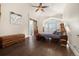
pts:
pixel 27 16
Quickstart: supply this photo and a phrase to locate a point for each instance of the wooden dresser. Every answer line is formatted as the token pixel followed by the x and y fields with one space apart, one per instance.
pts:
pixel 64 38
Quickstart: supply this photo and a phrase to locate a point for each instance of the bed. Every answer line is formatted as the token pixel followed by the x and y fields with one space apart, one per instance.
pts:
pixel 55 35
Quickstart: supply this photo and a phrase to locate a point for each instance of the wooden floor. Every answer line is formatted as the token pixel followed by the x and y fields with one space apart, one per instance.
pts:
pixel 32 47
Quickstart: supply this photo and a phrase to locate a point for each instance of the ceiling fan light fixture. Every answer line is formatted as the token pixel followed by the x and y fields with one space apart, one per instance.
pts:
pixel 40 7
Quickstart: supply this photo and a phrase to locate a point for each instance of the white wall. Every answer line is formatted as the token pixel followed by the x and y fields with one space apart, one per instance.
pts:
pixel 0 12
pixel 71 17
pixel 5 27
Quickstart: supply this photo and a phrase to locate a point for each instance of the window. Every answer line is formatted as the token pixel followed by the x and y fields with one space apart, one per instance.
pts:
pixel 51 25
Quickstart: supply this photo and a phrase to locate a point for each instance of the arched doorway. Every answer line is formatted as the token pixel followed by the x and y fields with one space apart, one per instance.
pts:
pixel 50 25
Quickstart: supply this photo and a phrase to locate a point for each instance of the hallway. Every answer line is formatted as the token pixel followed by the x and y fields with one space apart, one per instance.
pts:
pixel 36 48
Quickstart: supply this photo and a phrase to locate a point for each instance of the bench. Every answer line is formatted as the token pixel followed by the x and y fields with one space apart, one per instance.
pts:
pixel 9 40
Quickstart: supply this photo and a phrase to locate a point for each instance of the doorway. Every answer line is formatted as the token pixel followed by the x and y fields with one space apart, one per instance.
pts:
pixel 51 25
pixel 32 26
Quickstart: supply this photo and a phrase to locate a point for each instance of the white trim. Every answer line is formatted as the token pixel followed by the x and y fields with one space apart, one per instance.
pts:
pixel 73 49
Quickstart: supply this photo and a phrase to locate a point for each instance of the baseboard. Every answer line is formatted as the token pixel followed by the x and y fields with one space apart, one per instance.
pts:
pixel 73 49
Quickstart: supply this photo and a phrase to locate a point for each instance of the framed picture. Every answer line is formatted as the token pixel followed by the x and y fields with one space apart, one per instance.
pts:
pixel 15 18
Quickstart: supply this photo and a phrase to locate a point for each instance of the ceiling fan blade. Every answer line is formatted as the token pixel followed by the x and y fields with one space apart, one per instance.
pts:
pixel 44 6
pixel 36 10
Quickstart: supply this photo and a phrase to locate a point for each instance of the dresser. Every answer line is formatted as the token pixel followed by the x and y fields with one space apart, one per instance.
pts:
pixel 64 37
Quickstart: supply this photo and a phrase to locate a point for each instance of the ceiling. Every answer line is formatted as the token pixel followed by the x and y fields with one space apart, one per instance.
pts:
pixel 53 10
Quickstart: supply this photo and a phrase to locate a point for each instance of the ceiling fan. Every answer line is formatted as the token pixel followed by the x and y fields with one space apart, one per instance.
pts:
pixel 40 7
